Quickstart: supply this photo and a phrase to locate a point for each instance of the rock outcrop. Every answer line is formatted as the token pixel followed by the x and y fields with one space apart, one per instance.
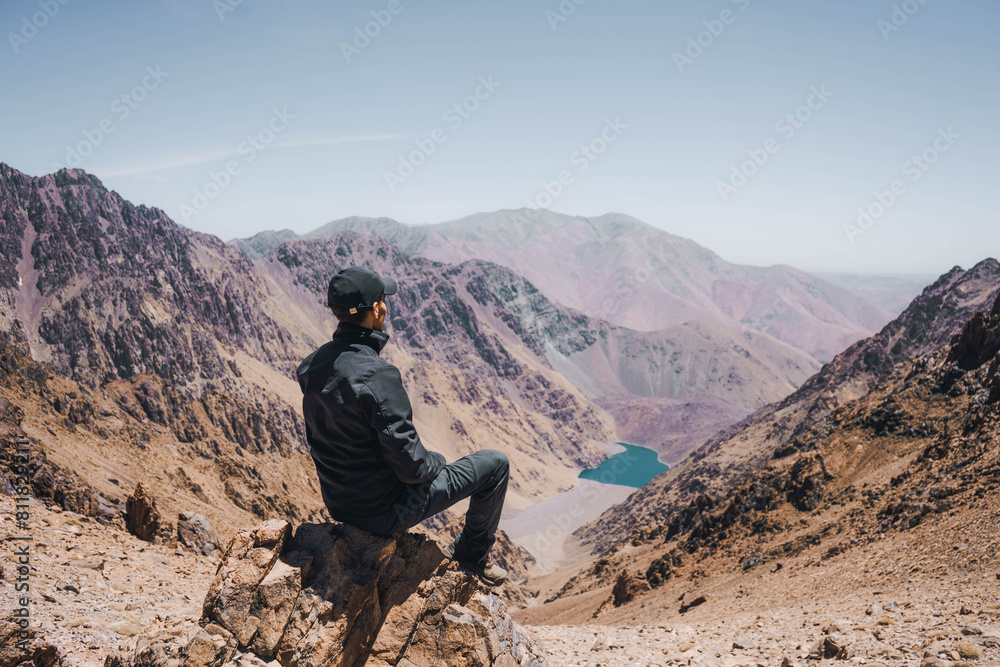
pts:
pixel 336 595
pixel 141 516
pixel 979 340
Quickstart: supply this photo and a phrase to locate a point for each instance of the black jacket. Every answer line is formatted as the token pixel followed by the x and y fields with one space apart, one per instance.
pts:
pixel 359 426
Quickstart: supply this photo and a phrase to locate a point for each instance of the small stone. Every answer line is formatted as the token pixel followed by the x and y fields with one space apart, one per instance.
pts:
pixel 934 648
pixel 691 600
pixel 197 533
pixel 967 650
pixel 831 649
pixel 936 662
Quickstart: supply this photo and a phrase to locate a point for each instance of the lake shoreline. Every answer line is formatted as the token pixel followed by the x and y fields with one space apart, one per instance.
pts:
pixel 545 529
pixel 634 466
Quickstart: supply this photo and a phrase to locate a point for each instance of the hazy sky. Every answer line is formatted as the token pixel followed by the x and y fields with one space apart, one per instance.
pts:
pixel 755 127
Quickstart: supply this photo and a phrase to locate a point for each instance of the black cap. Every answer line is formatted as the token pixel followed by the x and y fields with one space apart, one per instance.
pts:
pixel 356 288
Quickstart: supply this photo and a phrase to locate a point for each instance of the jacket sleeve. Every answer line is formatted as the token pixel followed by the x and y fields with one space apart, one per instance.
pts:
pixel 392 419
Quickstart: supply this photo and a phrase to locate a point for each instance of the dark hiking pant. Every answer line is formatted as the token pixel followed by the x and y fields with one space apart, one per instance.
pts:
pixel 481 476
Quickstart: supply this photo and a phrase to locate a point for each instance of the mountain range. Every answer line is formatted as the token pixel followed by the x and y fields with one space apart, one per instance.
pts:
pixel 785 427
pixel 827 451
pixel 174 334
pixel 621 270
pixel 700 313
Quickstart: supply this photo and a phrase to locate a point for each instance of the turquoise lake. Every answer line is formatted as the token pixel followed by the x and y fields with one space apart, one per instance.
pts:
pixel 633 467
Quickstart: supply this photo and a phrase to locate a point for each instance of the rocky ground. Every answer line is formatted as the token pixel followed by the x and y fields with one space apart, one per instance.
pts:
pixel 930 597
pixel 93 586
pixel 894 633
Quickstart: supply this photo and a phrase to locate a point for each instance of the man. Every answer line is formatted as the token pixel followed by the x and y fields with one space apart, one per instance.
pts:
pixel 374 472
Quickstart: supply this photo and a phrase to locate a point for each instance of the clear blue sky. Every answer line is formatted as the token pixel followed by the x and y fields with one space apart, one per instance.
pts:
pixel 886 94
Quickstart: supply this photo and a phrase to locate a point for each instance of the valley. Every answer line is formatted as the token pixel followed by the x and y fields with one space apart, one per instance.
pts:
pixel 833 464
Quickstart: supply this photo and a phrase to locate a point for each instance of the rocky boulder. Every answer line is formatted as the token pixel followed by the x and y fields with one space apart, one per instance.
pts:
pixel 195 532
pixel 335 595
pixel 141 516
pixel 626 588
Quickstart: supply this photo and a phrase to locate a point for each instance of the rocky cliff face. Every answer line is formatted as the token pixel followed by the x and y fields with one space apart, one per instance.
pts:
pixel 105 289
pixel 150 332
pixel 786 427
pixel 88 449
pixel 333 595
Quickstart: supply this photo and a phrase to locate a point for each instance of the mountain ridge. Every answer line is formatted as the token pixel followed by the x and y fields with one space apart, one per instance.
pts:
pixel 638 275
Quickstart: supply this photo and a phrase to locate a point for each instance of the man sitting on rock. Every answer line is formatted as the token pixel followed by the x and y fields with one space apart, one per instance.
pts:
pixel 374 472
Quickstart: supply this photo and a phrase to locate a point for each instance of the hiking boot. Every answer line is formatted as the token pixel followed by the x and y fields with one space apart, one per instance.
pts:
pixel 488 572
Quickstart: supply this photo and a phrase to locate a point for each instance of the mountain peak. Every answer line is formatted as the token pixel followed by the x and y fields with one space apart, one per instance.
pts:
pixel 364 224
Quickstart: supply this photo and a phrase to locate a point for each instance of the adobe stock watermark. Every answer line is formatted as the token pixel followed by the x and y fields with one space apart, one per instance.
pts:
pixel 364 34
pixel 714 28
pixel 899 17
pixel 562 13
pixel 454 117
pixel 914 168
pixel 787 126
pixel 21 543
pixel 121 107
pixel 248 149
pixel 580 160
pixel 627 286
pixel 223 7
pixel 31 25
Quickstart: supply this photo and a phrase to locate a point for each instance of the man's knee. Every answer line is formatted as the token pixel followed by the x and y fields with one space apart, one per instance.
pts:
pixel 498 461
